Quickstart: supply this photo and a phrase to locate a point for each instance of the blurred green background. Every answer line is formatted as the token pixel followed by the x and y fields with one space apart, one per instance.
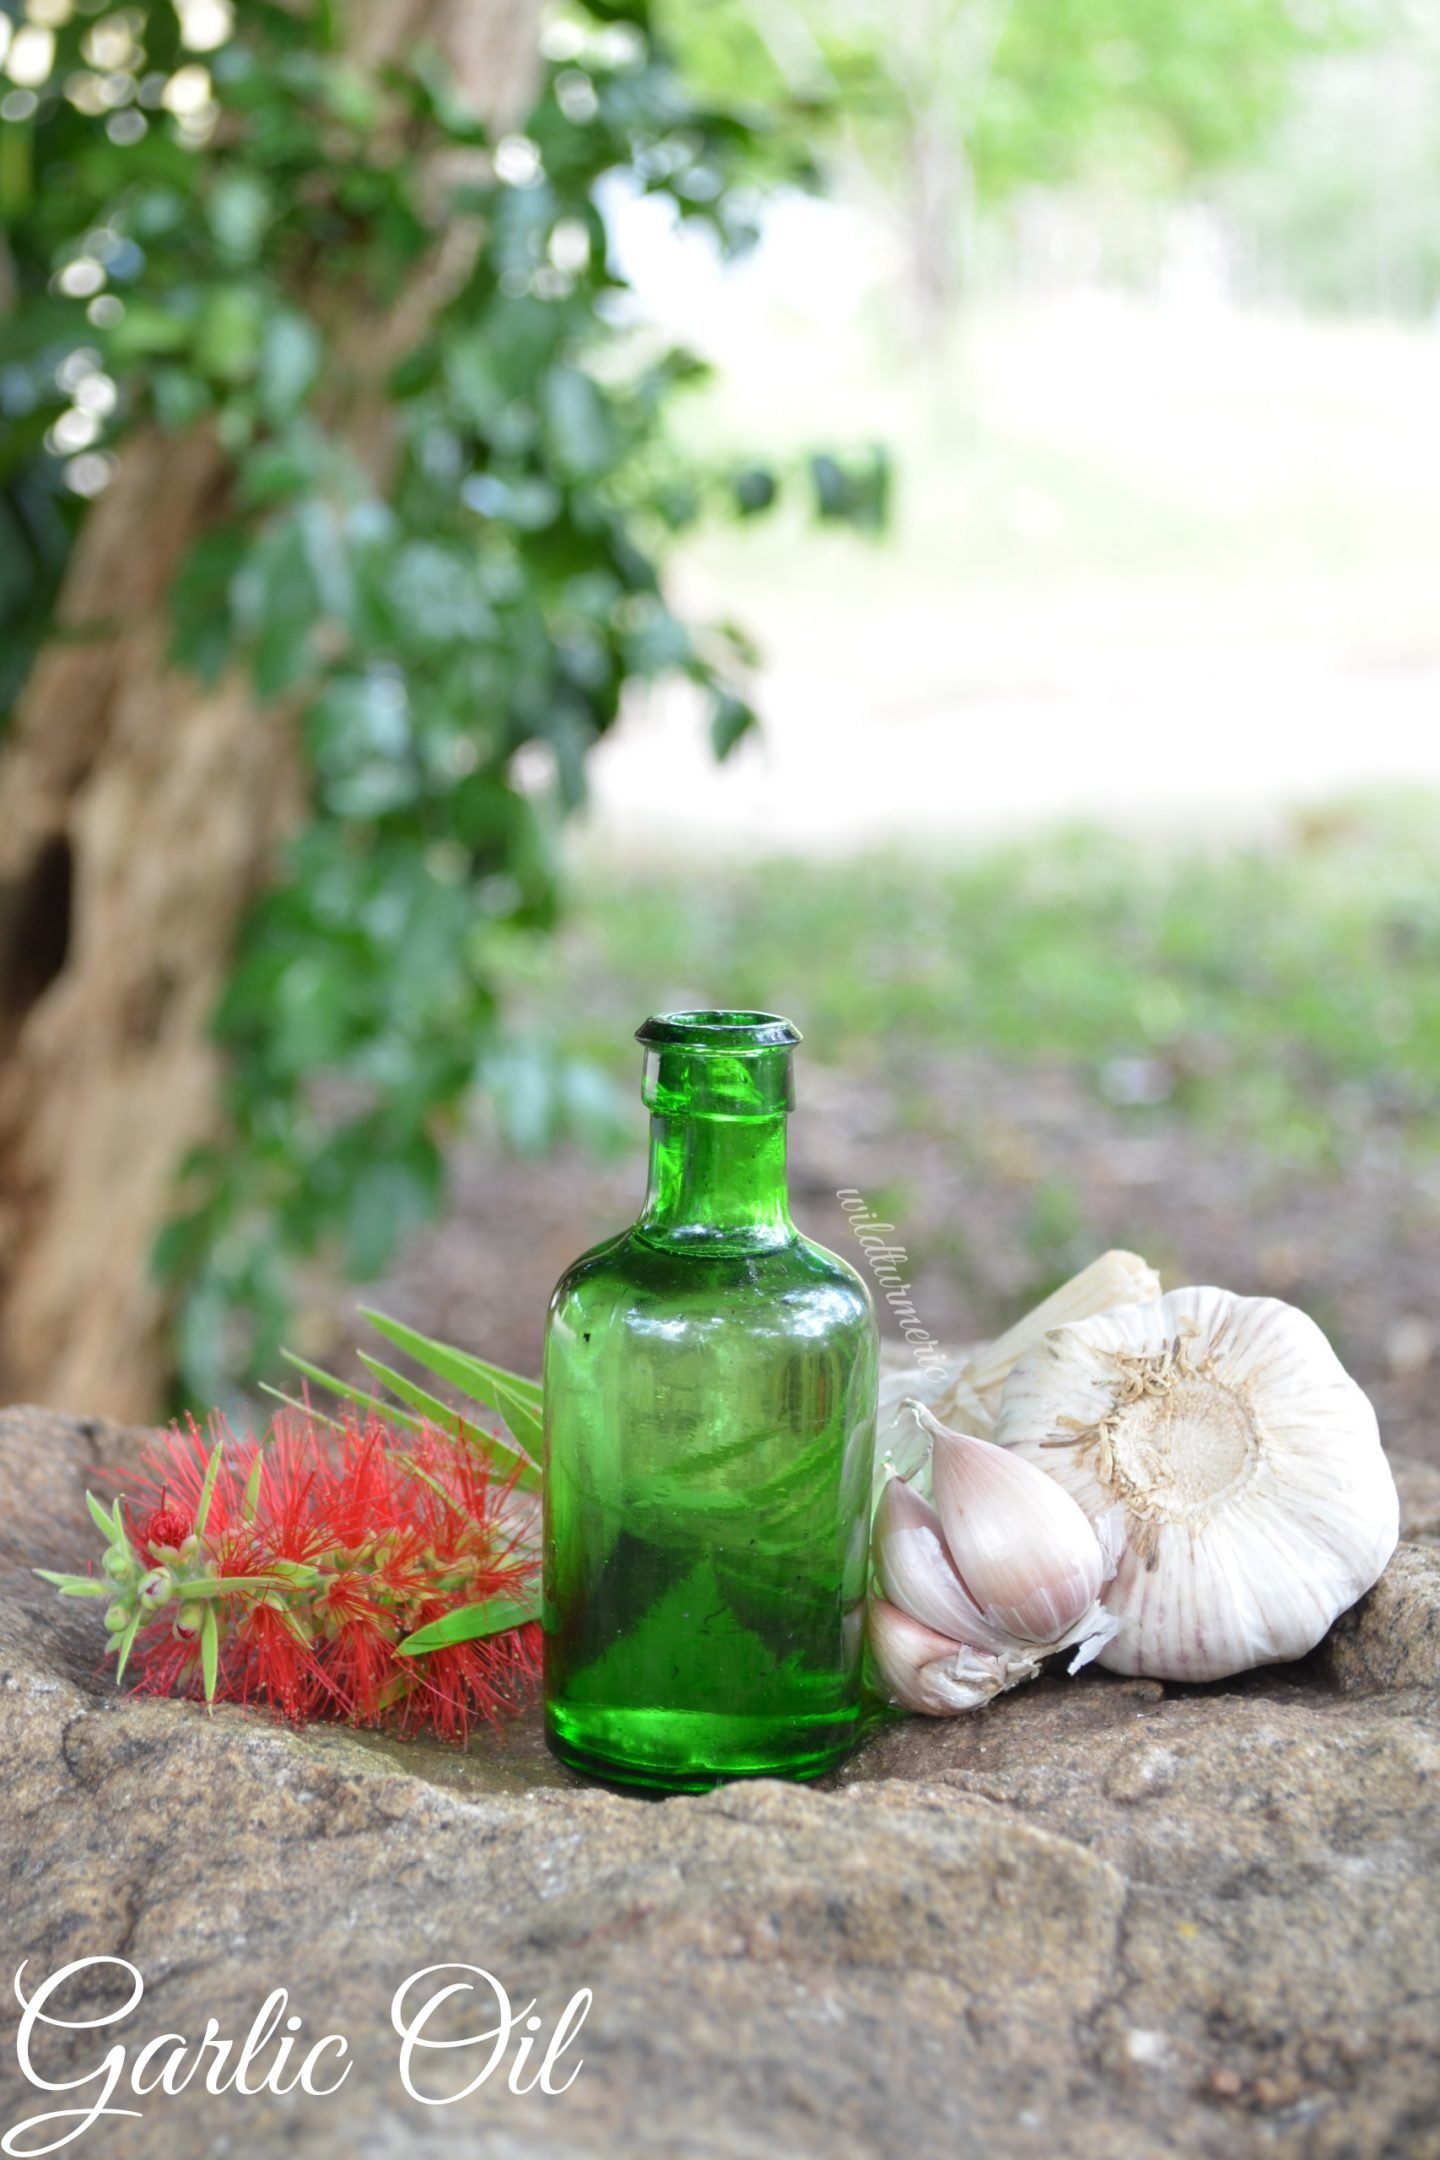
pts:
pixel 926 519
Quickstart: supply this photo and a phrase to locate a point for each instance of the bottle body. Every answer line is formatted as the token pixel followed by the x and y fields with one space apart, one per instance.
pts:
pixel 709 1389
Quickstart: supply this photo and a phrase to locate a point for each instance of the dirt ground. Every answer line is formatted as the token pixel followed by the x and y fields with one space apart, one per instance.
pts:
pixel 999 1182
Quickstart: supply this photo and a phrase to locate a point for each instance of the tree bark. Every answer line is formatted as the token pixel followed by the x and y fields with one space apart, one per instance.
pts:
pixel 139 818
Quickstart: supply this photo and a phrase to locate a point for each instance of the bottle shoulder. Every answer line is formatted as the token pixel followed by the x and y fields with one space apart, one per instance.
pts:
pixel 629 1272
pixel 830 1264
pixel 587 1266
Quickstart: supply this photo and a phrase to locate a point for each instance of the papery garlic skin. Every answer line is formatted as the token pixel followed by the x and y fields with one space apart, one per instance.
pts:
pixel 1221 1444
pixel 1116 1278
pixel 928 1672
pixel 966 1392
pixel 902 1445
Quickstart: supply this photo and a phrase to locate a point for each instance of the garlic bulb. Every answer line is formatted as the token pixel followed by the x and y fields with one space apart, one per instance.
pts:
pixel 1220 1445
pixel 967 1393
pixel 1000 1573
pixel 1116 1278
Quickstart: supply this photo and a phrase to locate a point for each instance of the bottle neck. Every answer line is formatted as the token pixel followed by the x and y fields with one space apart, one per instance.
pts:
pixel 717 1182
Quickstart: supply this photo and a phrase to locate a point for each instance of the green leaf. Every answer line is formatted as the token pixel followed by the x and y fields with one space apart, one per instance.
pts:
pixel 526 1423
pixel 754 490
pixel 291 356
pixel 146 330
pixel 125 1644
pixel 527 504
pixel 239 211
pixel 217 1586
pixel 364 1398
pixel 274 473
pixel 227 339
pixel 731 720
pixel 460 1367
pixel 450 1420
pixel 179 398
pixel 468 1623
pixel 582 437
pixel 276 604
pixel 350 95
pixel 515 1398
pixel 832 486
pixel 437 593
pixel 858 494
pixel 281 655
pixel 210 1651
pixel 207 1489
pixel 200 604
pixel 79 1585
pixel 250 1505
pixel 106 1520
pixel 387 1199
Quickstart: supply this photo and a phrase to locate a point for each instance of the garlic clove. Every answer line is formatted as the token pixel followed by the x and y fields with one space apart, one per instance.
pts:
pixel 915 1571
pixel 925 1671
pixel 1021 1546
pixel 1241 1459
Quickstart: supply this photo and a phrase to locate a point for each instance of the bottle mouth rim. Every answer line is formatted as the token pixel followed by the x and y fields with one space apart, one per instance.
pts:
pixel 732 1034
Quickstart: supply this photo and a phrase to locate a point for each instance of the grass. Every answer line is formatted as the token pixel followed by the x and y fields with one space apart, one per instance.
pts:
pixel 1267 991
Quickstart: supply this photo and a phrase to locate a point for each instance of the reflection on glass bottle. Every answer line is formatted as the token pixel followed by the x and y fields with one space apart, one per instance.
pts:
pixel 709 1389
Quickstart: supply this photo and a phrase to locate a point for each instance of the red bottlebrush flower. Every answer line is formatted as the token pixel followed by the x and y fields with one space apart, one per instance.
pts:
pixel 339 1543
pixel 164 1529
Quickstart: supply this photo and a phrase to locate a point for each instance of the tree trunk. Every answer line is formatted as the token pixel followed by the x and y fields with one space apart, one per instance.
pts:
pixel 139 816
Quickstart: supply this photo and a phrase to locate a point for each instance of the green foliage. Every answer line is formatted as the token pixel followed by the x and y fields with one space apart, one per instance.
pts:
pixel 441 562
pixel 1260 991
pixel 957 107
pixel 1033 92
pixel 1136 92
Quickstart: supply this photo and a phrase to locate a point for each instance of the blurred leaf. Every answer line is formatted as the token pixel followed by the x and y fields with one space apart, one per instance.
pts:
pixel 179 398
pixel 855 493
pixel 529 505
pixel 240 212
pixel 290 362
pixel 386 1199
pixel 731 720
pixel 229 333
pixel 276 604
pixel 581 433
pixel 755 490
pixel 201 627
pixel 146 330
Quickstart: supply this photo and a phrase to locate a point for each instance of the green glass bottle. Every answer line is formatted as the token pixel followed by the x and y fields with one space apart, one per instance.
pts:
pixel 709 1386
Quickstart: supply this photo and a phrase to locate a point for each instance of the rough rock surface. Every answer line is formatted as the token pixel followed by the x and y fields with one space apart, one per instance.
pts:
pixel 1418 1484
pixel 1392 1638
pixel 1099 1918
